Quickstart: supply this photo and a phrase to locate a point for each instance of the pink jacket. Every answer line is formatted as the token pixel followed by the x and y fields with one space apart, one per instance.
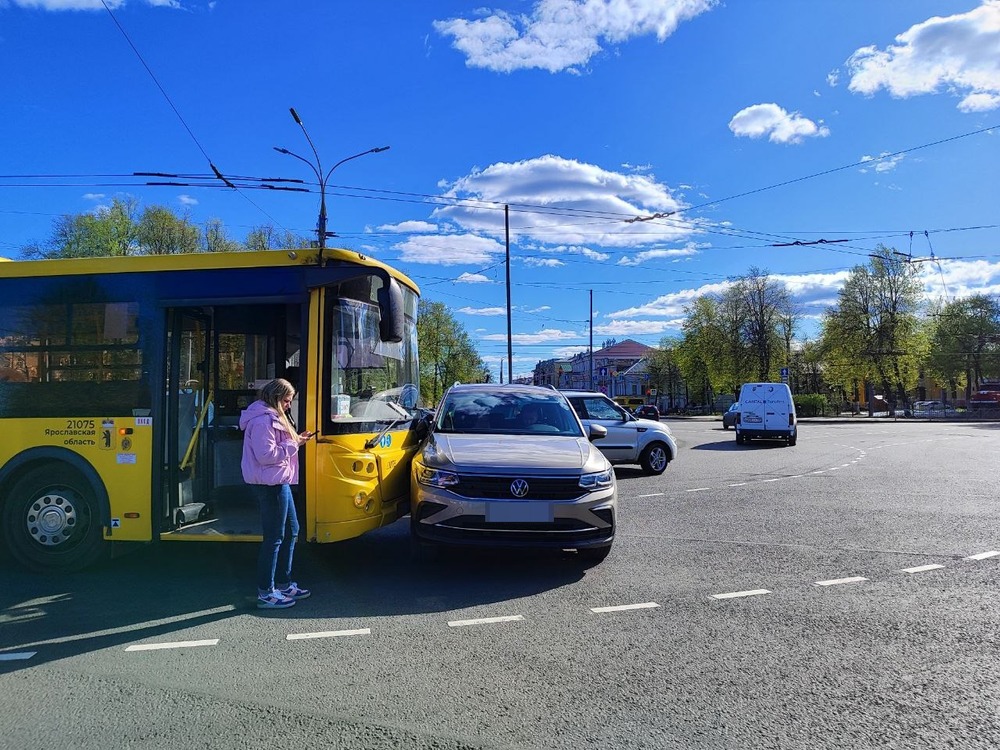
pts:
pixel 270 454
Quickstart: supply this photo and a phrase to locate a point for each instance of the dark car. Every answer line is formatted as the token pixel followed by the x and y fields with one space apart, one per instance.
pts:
pixel 647 411
pixel 729 417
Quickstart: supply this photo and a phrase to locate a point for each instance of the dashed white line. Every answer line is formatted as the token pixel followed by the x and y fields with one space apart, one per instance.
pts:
pixel 175 644
pixel 698 489
pixel 921 568
pixel 624 607
pixel 838 581
pixel 738 594
pixel 738 484
pixel 484 621
pixel 327 634
pixel 17 655
pixel 983 555
pixel 654 494
pixel 775 479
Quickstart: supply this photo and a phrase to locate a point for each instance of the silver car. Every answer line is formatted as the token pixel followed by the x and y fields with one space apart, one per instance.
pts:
pixel 630 440
pixel 511 465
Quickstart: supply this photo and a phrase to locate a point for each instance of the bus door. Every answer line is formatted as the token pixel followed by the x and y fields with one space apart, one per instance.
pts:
pixel 219 357
pixel 189 410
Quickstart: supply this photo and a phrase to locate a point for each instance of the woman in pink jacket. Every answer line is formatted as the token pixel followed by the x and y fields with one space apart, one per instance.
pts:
pixel 270 466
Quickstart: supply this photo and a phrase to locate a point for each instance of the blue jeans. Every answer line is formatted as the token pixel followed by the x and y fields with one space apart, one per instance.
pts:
pixel 277 516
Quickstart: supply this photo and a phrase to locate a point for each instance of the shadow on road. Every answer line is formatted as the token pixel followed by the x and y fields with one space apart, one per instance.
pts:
pixel 157 592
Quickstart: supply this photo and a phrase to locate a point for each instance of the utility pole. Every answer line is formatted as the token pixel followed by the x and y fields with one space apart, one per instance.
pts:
pixel 591 339
pixel 510 349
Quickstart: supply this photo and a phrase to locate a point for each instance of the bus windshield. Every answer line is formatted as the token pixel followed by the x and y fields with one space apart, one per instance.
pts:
pixel 372 382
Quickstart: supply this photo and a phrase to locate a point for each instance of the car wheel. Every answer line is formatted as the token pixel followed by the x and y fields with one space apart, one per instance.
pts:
pixel 724 425
pixel 593 555
pixel 655 458
pixel 792 440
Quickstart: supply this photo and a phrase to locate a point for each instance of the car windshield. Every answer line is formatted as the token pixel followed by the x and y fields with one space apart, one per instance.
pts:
pixel 507 414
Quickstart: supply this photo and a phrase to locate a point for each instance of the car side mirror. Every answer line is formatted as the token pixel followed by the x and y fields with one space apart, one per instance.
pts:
pixel 597 431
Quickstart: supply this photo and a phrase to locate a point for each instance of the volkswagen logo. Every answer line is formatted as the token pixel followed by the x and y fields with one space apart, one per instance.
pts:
pixel 519 488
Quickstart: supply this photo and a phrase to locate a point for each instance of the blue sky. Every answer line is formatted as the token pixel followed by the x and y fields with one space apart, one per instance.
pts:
pixel 726 127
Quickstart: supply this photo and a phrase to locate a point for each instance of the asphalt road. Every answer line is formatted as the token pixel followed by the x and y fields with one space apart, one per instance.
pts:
pixel 830 595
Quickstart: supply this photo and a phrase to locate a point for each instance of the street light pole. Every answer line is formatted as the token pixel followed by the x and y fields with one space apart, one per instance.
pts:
pixel 322 179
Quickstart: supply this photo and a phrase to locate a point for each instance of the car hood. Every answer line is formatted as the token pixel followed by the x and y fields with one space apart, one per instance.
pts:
pixel 652 424
pixel 555 454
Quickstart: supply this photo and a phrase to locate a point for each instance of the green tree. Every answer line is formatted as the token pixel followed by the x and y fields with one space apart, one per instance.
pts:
pixel 873 334
pixel 965 342
pixel 663 367
pixel 162 232
pixel 766 321
pixel 446 352
pixel 110 230
pixel 266 237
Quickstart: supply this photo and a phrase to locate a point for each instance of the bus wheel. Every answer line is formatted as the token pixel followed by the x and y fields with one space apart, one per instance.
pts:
pixel 51 520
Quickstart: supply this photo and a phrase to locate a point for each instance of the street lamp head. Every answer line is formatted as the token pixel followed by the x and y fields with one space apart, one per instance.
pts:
pixel 295 115
pixel 379 149
pixel 281 150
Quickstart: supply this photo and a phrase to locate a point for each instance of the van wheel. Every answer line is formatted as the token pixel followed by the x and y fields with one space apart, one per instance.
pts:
pixel 51 520
pixel 655 458
pixel 792 440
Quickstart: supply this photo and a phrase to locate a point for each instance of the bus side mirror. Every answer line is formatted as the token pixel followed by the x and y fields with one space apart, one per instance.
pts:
pixel 390 305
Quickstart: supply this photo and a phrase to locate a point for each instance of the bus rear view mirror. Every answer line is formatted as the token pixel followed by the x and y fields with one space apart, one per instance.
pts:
pixel 390 305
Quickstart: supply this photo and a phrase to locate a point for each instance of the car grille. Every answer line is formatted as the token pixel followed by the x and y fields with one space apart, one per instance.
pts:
pixel 498 488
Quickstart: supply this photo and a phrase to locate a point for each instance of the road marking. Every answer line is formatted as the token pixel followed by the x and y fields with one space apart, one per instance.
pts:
pixel 17 656
pixel 327 634
pixel 833 468
pixel 842 466
pixel 776 479
pixel 698 489
pixel 921 568
pixel 795 476
pixel 654 494
pixel 818 471
pixel 838 581
pixel 204 613
pixel 175 644
pixel 983 555
pixel 738 594
pixel 738 484
pixel 624 607
pixel 484 621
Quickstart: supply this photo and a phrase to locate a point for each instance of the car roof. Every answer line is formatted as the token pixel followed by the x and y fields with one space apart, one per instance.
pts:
pixel 583 393
pixel 502 388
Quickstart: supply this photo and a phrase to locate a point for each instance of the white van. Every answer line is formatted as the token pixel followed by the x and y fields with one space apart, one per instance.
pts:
pixel 766 411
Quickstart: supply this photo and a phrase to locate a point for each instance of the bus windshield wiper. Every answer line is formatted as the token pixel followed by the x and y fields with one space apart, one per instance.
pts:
pixel 372 442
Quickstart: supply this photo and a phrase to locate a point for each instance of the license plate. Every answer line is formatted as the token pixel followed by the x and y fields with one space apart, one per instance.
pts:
pixel 515 512
pixel 753 418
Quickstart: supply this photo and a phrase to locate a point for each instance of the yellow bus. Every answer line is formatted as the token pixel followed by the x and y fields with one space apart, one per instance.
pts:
pixel 122 380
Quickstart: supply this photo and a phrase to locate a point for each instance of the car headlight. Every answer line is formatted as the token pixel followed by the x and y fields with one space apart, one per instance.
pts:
pixel 436 477
pixel 599 481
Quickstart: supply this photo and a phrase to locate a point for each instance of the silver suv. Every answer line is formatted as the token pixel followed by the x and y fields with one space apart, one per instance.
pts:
pixel 630 440
pixel 511 465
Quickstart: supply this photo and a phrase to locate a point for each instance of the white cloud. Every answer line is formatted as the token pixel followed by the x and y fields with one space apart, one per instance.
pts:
pixel 586 252
pixel 560 35
pixel 567 352
pixel 473 278
pixel 638 327
pixel 562 201
pixel 449 250
pixel 646 255
pixel 884 162
pixel 409 227
pixel 960 278
pixel 492 311
pixel 541 337
pixel 668 305
pixel 833 78
pixel 544 262
pixel 979 102
pixel 960 53
pixel 542 308
pixel 778 125
pixel 58 5
pixel 187 200
pixel 93 196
